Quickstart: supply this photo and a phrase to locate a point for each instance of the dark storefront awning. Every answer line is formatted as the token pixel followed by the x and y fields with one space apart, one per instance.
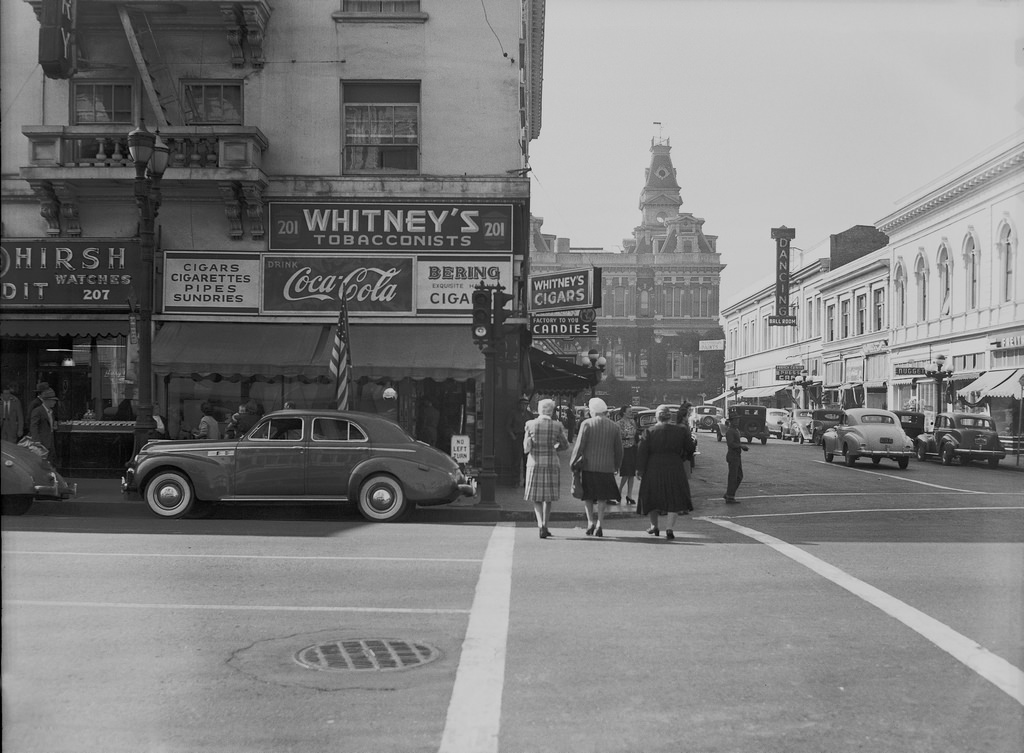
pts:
pixel 11 326
pixel 552 375
pixel 248 350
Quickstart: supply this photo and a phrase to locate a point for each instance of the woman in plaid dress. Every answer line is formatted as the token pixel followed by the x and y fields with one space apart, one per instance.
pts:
pixel 544 438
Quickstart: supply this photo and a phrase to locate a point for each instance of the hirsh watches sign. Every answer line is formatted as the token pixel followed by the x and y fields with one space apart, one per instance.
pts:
pixel 93 274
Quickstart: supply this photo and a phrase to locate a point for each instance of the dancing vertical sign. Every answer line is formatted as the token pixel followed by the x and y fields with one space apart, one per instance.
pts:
pixel 783 318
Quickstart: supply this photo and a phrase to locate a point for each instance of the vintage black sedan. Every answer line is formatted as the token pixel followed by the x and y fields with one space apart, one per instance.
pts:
pixel 300 456
pixel 26 476
pixel 962 436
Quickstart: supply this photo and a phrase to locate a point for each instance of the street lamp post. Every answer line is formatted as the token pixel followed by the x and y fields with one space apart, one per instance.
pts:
pixel 736 389
pixel 940 375
pixel 804 382
pixel 149 154
pixel 1020 419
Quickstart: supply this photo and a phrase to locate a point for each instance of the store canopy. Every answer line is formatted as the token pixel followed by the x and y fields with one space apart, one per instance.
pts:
pixel 247 350
pixel 752 393
pixel 419 351
pixel 236 351
pixel 996 383
pixel 553 375
pixel 63 327
pixel 720 397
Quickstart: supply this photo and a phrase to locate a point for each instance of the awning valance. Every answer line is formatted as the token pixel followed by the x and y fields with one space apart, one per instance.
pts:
pixel 996 383
pixel 242 350
pixel 419 351
pixel 250 350
pixel 770 390
pixel 552 375
pixel 716 399
pixel 63 327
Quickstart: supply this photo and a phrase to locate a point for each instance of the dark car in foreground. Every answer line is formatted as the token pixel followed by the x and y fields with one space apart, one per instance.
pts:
pixel 749 420
pixel 962 436
pixel 300 456
pixel 868 433
pixel 822 420
pixel 27 476
pixel 706 417
pixel 913 423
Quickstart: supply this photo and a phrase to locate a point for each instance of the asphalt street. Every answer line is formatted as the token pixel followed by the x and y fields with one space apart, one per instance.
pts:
pixel 835 609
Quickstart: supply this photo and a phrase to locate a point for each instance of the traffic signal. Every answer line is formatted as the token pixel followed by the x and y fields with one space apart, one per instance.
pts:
pixel 482 316
pixel 498 306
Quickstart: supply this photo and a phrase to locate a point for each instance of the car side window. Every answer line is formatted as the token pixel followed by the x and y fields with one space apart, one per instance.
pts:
pixel 278 429
pixel 336 429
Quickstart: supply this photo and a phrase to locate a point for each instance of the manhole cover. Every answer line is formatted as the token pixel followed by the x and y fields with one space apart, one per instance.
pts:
pixel 361 655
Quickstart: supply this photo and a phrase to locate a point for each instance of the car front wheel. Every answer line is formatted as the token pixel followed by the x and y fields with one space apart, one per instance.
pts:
pixel 15 504
pixel 382 500
pixel 169 494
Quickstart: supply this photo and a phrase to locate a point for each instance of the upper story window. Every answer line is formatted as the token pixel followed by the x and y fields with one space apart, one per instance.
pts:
pixel 862 314
pixel 844 319
pixel 103 102
pixel 921 272
pixel 382 124
pixel 971 272
pixel 383 7
pixel 900 286
pixel 830 323
pixel 618 302
pixel 945 270
pixel 213 102
pixel 1007 256
pixel 878 309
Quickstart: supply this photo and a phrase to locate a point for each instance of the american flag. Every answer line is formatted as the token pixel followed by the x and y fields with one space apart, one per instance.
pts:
pixel 341 362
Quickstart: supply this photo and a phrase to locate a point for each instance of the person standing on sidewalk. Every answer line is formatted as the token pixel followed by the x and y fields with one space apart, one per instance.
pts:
pixel 598 454
pixel 661 461
pixel 12 423
pixel 734 457
pixel 627 470
pixel 543 439
pixel 515 428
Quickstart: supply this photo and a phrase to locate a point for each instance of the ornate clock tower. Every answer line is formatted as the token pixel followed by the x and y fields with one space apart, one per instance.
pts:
pixel 659 199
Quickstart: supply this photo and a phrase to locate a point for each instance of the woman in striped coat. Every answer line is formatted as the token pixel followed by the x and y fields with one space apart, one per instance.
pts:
pixel 544 438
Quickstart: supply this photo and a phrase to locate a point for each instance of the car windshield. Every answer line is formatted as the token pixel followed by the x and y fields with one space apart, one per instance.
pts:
pixel 977 422
pixel 877 418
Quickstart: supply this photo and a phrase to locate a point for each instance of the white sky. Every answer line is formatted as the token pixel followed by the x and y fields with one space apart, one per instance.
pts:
pixel 815 114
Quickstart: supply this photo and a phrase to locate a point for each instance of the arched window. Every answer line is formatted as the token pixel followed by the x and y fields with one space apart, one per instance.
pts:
pixel 921 273
pixel 645 303
pixel 1006 256
pixel 971 272
pixel 944 267
pixel 618 302
pixel 901 296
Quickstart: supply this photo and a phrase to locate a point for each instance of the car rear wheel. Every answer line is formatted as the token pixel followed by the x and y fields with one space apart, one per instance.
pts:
pixel 15 504
pixel 828 455
pixel 875 461
pixel 382 500
pixel 993 462
pixel 903 463
pixel 947 454
pixel 169 494
pixel 848 455
pixel 800 439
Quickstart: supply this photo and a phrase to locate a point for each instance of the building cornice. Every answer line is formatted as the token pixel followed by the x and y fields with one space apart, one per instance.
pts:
pixel 1008 161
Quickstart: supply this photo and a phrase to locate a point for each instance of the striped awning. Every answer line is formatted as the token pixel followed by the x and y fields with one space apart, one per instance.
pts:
pixel 996 383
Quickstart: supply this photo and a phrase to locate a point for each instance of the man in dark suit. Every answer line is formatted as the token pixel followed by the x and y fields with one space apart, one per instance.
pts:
pixel 42 422
pixel 734 457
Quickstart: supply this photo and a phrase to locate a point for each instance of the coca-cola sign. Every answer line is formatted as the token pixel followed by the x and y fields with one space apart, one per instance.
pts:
pixel 315 284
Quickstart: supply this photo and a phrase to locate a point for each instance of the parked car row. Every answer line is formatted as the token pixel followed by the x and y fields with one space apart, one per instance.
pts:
pixel 26 476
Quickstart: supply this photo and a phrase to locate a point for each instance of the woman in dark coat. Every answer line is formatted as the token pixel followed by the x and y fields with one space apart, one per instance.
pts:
pixel 661 459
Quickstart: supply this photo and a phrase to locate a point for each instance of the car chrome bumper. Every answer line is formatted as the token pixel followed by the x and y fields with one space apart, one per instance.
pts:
pixel 886 453
pixel 980 454
pixel 58 488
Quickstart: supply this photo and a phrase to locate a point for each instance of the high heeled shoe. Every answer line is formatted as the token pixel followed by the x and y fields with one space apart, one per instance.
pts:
pixel 590 531
pixel 599 533
pixel 630 501
pixel 669 534
pixel 543 531
pixel 653 530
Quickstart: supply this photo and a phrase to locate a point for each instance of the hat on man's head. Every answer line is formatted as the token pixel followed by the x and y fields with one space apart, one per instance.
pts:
pixel 597 405
pixel 48 394
pixel 42 386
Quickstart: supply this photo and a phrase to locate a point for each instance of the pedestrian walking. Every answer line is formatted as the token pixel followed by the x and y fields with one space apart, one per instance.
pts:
pixel 208 426
pixel 12 420
pixel 515 427
pixel 734 457
pixel 627 469
pixel 598 455
pixel 544 438
pixel 662 456
pixel 683 418
pixel 42 424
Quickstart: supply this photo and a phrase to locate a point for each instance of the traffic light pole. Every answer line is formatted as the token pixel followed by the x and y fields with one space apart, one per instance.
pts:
pixel 488 474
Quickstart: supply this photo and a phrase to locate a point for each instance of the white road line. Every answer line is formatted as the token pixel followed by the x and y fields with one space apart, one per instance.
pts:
pixel 903 478
pixel 995 669
pixel 474 712
pixel 867 510
pixel 222 607
pixel 244 556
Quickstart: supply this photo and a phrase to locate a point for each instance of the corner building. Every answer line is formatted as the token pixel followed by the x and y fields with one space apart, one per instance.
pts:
pixel 318 149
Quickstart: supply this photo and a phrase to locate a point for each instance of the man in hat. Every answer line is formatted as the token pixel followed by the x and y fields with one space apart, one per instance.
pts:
pixel 12 419
pixel 515 427
pixel 42 422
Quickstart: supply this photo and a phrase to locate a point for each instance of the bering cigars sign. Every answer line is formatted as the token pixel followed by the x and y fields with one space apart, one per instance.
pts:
pixel 56 38
pixel 68 274
pixel 391 227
